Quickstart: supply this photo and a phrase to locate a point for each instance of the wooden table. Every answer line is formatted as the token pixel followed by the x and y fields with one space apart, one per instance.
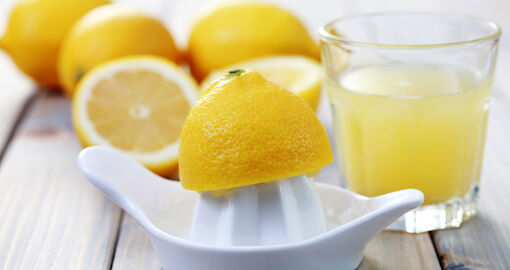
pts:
pixel 52 218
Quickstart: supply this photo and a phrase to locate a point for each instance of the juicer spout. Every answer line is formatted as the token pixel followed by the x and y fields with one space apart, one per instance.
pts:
pixel 385 210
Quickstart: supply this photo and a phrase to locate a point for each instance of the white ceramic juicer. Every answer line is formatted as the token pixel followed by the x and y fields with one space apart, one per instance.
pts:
pixel 166 211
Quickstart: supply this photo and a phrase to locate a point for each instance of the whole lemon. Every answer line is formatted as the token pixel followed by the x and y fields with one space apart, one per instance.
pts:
pixel 110 32
pixel 236 32
pixel 35 31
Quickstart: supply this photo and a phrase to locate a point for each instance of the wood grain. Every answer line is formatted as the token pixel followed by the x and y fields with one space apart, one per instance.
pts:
pixel 484 242
pixel 134 249
pixel 50 216
pixel 395 250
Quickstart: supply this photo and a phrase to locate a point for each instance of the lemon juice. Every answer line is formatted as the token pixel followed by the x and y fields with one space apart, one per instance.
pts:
pixel 410 126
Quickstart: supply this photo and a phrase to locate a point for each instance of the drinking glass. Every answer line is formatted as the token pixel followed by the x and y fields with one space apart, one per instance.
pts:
pixel 410 96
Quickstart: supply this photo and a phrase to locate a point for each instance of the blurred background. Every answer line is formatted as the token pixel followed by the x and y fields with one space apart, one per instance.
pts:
pixel 179 16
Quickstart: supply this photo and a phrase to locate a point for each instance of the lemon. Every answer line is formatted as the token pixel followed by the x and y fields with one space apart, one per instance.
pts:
pixel 246 130
pixel 110 32
pixel 236 32
pixel 299 74
pixel 35 31
pixel 138 105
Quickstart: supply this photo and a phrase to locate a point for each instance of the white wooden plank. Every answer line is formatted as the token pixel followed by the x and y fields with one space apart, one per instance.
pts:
pixel 396 250
pixel 134 249
pixel 50 216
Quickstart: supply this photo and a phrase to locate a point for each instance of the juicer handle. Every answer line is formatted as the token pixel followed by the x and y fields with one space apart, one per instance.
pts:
pixel 122 179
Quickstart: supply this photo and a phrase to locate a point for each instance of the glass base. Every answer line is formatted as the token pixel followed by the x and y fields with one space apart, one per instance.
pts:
pixel 450 214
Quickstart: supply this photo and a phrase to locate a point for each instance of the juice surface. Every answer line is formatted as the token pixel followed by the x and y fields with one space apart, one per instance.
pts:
pixel 402 126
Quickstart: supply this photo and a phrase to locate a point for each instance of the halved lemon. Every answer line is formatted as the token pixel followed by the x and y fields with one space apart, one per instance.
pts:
pixel 138 105
pixel 299 74
pixel 245 130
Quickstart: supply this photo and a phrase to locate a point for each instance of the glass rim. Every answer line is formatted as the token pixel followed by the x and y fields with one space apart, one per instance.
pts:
pixel 324 30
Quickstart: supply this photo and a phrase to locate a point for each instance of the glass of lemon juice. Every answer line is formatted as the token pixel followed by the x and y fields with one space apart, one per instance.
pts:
pixel 410 96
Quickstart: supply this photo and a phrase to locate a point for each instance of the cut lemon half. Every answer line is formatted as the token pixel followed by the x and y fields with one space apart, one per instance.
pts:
pixel 299 74
pixel 137 105
pixel 245 130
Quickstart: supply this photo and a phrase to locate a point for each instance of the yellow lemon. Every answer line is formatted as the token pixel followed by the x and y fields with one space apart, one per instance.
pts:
pixel 299 74
pixel 236 32
pixel 138 105
pixel 246 130
pixel 110 32
pixel 35 31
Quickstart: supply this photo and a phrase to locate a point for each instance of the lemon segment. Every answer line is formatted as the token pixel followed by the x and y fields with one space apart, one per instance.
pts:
pixel 299 74
pixel 137 105
pixel 245 130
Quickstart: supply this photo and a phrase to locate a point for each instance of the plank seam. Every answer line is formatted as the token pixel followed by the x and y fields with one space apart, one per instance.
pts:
pixel 116 240
pixel 21 115
pixel 436 250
